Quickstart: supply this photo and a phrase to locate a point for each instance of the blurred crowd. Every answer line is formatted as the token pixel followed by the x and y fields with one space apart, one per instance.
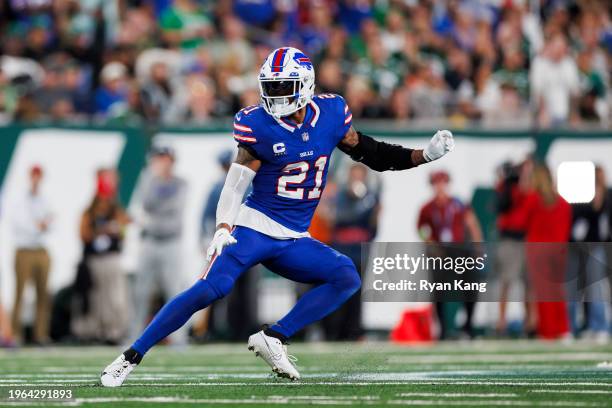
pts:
pixel 168 62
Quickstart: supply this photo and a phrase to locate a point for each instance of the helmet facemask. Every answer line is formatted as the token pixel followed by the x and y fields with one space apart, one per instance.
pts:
pixel 282 97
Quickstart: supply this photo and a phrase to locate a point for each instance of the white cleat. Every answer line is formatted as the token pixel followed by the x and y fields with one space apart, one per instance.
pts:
pixel 116 372
pixel 274 352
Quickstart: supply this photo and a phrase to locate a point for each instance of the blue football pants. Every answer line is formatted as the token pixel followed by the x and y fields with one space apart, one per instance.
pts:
pixel 303 260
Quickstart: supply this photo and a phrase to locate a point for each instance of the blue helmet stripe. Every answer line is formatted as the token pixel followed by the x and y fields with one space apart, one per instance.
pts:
pixel 277 61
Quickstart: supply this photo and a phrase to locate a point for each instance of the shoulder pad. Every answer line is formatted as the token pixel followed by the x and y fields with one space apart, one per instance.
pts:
pixel 244 124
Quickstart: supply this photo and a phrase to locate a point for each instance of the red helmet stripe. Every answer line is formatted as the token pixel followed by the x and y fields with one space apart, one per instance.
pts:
pixel 277 61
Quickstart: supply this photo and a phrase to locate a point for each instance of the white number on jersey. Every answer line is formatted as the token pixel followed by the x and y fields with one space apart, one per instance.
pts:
pixel 298 178
pixel 284 190
pixel 320 165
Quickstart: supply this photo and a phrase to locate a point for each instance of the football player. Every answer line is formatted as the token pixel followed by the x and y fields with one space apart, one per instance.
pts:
pixel 284 147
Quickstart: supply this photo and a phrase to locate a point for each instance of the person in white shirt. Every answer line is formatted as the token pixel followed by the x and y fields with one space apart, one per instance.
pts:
pixel 555 84
pixel 160 199
pixel 31 219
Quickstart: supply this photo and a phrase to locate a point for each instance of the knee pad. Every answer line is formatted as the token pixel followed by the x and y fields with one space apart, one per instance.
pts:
pixel 347 277
pixel 206 291
pixel 221 285
pixel 355 281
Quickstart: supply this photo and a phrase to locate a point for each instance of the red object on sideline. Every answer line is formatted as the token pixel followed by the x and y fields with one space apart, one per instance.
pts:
pixel 414 327
pixel 546 223
pixel 511 220
pixel 553 323
pixel 546 263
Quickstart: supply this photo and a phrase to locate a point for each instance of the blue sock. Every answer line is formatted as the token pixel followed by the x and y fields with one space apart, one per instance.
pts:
pixel 176 313
pixel 319 302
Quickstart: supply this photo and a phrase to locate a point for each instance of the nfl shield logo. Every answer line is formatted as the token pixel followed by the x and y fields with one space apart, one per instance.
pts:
pixel 305 136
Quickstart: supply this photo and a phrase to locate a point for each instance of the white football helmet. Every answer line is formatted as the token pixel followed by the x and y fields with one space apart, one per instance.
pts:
pixel 286 81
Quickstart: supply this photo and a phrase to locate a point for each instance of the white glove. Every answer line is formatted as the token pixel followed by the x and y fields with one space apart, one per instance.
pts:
pixel 441 143
pixel 221 239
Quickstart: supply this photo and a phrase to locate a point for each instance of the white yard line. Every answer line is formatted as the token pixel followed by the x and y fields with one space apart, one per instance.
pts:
pixel 459 375
pixel 457 394
pixel 284 383
pixel 498 358
pixel 320 400
pixel 63 375
pixel 295 401
pixel 45 381
pixel 566 391
pixel 520 383
pixel 513 403
pixel 206 370
pixel 215 401
pixel 70 378
pixel 259 401
pixel 327 397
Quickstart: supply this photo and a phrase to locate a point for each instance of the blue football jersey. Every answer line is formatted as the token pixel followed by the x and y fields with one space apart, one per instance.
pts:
pixel 294 158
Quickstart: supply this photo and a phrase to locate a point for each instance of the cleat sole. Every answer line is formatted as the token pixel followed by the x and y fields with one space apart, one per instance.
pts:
pixel 282 374
pixel 275 370
pixel 251 348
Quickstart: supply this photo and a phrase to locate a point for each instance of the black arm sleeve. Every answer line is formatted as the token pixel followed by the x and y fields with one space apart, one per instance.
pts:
pixel 379 156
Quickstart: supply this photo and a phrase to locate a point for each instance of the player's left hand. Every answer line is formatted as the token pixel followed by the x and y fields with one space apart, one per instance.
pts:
pixel 221 239
pixel 441 143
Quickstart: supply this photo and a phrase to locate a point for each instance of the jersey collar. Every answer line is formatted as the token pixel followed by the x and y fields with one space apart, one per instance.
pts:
pixel 311 118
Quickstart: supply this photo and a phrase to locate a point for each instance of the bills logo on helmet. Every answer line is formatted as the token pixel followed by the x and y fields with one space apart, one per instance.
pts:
pixel 303 60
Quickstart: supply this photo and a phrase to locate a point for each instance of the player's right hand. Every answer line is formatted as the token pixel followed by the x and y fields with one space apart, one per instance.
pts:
pixel 221 239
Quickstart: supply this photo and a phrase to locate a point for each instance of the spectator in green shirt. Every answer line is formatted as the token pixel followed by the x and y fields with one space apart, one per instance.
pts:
pixel 592 103
pixel 8 99
pixel 513 72
pixel 185 25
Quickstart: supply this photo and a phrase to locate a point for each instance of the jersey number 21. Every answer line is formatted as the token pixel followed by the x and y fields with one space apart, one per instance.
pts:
pixel 296 174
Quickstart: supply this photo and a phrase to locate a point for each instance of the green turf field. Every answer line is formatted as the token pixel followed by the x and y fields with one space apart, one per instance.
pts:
pixel 488 373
